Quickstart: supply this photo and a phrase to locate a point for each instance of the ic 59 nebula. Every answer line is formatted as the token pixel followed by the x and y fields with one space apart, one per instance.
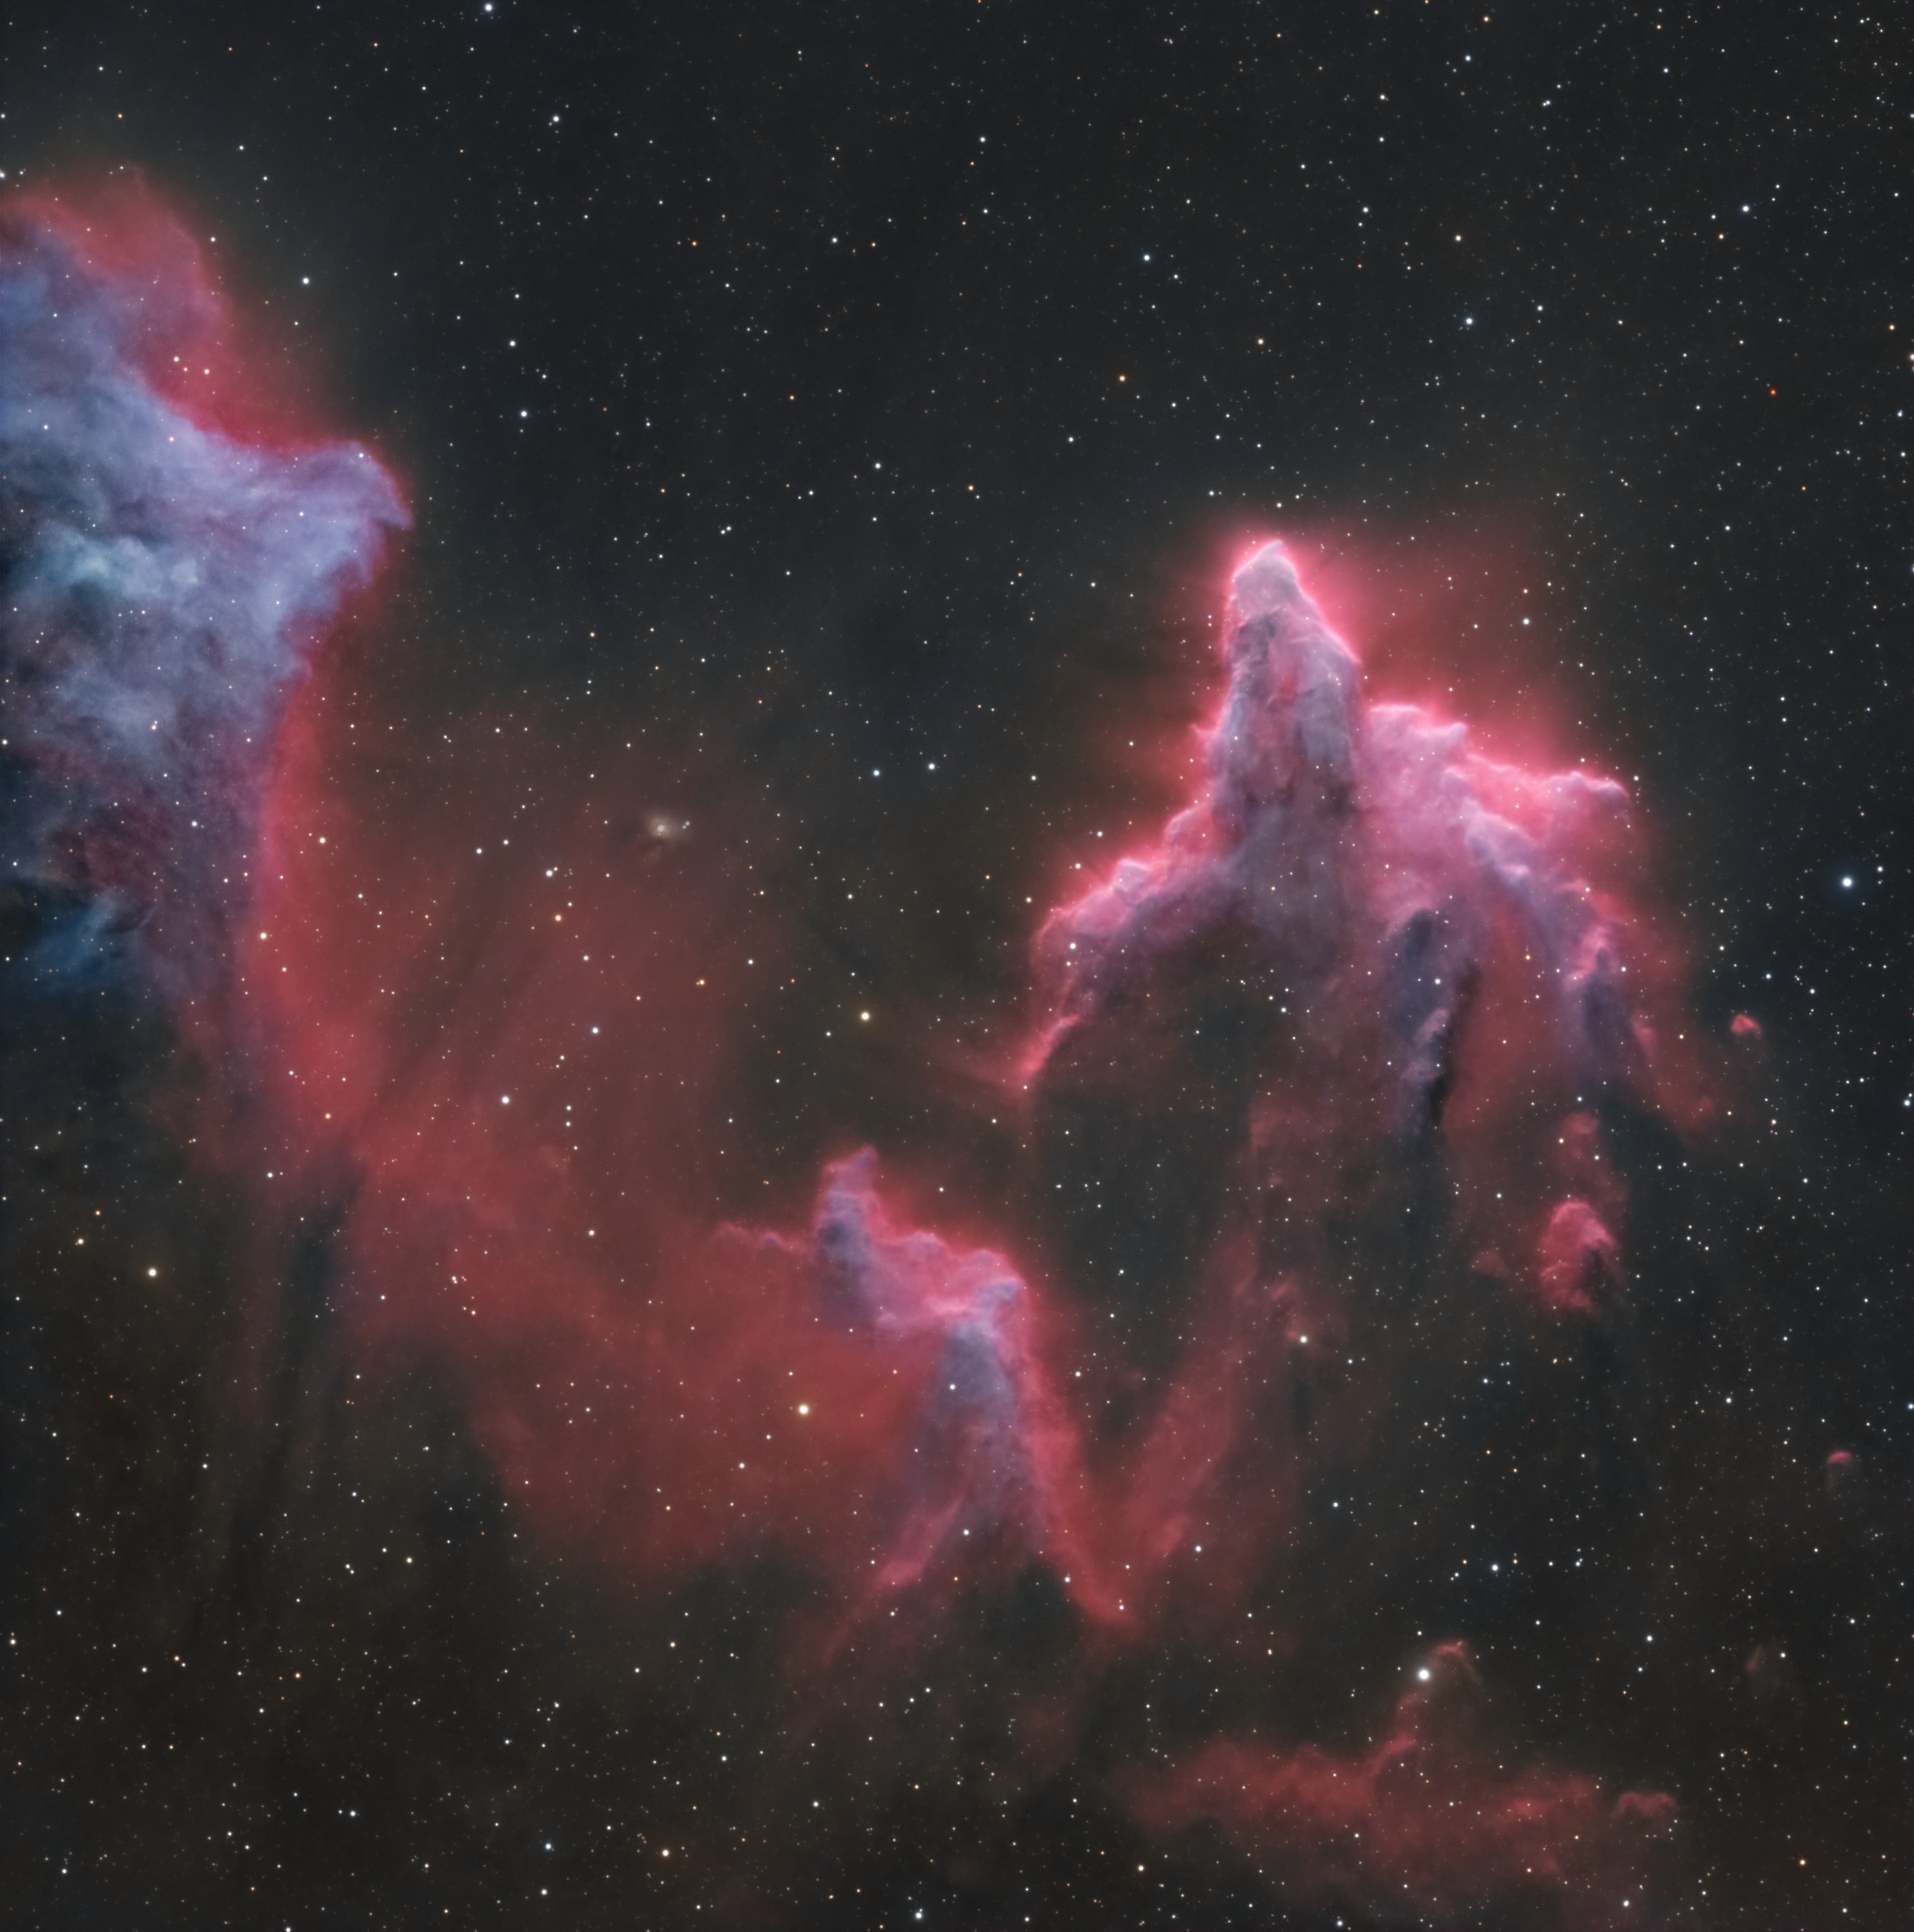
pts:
pixel 1279 1438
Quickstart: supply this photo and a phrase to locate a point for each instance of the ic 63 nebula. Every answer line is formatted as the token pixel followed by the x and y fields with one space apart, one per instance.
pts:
pixel 1272 1445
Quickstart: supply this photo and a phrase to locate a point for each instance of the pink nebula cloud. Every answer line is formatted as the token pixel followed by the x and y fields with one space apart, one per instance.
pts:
pixel 1432 1817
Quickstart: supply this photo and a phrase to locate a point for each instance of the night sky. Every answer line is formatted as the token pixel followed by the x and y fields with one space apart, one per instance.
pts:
pixel 955 966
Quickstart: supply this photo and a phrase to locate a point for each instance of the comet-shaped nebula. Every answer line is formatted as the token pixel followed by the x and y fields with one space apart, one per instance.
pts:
pixel 1220 1482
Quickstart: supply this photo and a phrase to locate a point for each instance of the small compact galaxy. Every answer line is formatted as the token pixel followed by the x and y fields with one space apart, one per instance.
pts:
pixel 954 973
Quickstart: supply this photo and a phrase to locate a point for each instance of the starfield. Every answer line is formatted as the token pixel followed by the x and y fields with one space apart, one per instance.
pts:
pixel 954 968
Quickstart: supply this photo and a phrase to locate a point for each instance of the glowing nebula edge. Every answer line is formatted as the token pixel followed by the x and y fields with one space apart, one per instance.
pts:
pixel 1377 978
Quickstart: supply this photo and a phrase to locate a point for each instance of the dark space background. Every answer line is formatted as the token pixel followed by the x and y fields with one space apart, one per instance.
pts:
pixel 868 404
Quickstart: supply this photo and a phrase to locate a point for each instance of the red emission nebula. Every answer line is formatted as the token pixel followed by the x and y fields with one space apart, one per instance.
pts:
pixel 527 1076
pixel 1368 974
pixel 527 1073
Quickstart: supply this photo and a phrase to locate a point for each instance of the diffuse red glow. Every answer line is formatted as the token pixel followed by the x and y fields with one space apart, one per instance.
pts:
pixel 529 1065
pixel 1431 1817
pixel 212 358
